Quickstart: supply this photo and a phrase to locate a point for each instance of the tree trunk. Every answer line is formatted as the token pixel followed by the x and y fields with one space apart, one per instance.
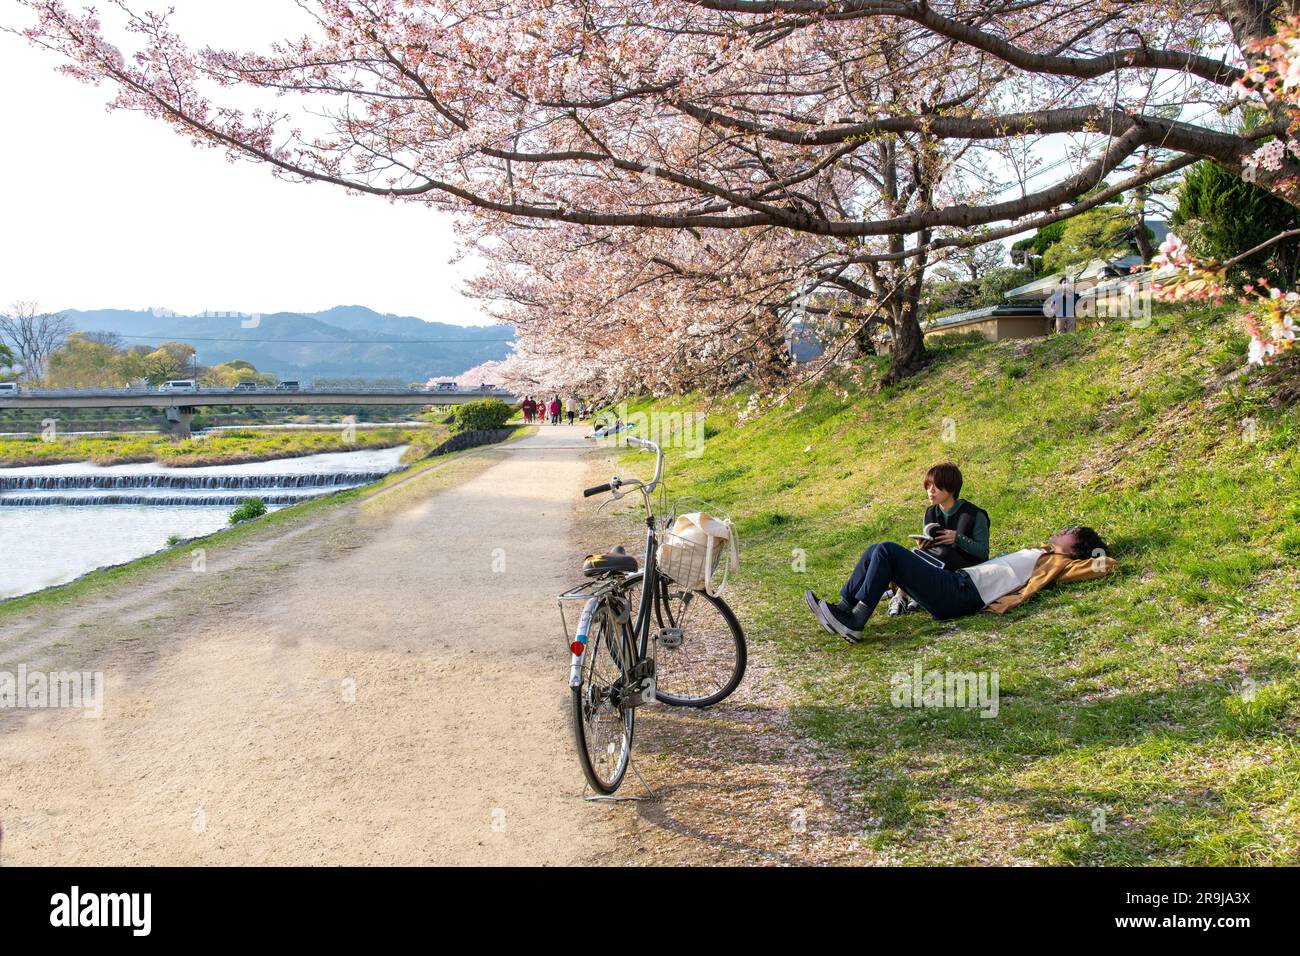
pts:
pixel 863 340
pixel 1143 241
pixel 907 350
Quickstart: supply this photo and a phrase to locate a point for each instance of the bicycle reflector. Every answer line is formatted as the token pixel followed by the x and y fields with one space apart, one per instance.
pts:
pixel 577 647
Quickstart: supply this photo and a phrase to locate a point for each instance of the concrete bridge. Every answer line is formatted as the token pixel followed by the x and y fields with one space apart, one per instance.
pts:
pixel 179 406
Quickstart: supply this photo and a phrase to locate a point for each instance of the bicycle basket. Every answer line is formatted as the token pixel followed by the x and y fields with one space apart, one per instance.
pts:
pixel 693 550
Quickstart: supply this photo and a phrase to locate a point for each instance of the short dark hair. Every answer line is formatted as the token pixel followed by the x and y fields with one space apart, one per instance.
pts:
pixel 945 476
pixel 1087 542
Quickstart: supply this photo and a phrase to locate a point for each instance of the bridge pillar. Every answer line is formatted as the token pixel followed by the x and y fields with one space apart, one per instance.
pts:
pixel 176 421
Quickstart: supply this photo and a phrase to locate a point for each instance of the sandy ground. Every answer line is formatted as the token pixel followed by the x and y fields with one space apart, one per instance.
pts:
pixel 384 683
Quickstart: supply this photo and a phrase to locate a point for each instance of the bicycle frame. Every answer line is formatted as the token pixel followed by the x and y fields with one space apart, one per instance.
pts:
pixel 648 575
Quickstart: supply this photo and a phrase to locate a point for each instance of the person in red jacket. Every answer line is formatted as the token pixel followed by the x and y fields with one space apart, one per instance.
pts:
pixel 555 411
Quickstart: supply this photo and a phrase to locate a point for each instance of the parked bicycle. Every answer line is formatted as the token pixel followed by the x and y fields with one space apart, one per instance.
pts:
pixel 642 636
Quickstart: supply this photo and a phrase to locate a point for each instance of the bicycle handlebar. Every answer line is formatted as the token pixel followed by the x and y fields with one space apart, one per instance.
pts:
pixel 616 483
pixel 646 445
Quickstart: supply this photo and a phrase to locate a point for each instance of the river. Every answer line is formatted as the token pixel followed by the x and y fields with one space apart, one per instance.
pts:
pixel 58 522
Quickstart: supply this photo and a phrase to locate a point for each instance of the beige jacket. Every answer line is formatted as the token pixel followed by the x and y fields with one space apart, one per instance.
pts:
pixel 1049 569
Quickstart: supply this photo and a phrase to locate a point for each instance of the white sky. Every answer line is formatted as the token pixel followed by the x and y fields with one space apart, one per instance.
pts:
pixel 114 210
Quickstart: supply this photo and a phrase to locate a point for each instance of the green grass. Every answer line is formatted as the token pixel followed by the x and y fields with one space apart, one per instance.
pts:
pixel 215 448
pixel 1149 717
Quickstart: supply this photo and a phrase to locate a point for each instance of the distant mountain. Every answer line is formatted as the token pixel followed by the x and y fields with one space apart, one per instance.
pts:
pixel 347 341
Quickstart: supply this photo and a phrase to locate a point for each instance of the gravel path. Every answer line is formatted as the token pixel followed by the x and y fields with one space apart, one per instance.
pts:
pixel 378 683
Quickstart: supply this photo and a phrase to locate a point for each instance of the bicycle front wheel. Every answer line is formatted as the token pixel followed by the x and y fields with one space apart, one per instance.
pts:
pixel 701 654
pixel 602 723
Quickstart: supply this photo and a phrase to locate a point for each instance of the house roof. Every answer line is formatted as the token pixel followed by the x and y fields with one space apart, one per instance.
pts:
pixel 1096 270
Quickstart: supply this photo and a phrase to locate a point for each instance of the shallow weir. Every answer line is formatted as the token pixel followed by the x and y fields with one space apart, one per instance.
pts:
pixel 58 522
pixel 171 489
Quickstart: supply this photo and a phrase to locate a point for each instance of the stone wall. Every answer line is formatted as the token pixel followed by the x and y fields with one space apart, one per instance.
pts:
pixel 471 439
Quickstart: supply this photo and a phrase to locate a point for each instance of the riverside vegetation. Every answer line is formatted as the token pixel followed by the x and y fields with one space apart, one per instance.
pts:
pixel 215 448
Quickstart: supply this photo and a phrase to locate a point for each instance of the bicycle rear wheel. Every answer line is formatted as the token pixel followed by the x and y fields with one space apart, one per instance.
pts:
pixel 701 654
pixel 602 724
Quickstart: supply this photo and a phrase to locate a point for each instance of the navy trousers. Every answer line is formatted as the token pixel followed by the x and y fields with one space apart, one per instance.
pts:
pixel 945 594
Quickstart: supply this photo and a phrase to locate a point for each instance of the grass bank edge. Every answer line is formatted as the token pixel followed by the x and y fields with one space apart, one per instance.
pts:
pixel 191 453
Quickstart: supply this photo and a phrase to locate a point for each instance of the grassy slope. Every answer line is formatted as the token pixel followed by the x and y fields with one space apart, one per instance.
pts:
pixel 1130 695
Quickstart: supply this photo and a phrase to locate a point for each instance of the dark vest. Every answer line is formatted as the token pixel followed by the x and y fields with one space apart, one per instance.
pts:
pixel 963 522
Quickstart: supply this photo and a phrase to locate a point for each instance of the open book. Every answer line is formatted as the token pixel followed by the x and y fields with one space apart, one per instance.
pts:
pixel 927 533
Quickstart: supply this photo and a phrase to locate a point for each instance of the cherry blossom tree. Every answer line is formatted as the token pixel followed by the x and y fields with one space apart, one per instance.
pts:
pixel 1273 315
pixel 886 131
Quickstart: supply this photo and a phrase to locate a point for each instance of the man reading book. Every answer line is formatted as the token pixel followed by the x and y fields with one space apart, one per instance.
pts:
pixel 955 533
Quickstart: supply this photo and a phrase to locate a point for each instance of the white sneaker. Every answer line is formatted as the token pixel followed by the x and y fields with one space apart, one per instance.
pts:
pixel 897 603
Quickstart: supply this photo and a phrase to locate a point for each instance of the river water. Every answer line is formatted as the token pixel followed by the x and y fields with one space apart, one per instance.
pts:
pixel 58 522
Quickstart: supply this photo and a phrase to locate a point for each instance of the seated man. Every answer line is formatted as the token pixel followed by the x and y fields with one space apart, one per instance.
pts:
pixel 959 530
pixel 999 585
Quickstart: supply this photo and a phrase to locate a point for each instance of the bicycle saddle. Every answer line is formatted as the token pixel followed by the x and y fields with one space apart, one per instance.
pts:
pixel 617 561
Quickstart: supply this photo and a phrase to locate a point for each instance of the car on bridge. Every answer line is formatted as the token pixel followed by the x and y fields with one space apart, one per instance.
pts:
pixel 179 385
pixel 488 388
pixel 245 386
pixel 289 387
pixel 10 388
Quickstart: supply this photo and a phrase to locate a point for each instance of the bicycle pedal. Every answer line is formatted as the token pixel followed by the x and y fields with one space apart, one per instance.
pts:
pixel 670 637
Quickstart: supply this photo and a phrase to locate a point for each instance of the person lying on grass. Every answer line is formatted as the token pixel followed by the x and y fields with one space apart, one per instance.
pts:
pixel 1076 554
pixel 959 530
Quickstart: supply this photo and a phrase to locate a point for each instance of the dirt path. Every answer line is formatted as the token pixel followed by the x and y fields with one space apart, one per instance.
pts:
pixel 382 683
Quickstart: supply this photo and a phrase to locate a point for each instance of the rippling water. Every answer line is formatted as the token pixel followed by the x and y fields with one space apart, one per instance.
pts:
pixel 58 522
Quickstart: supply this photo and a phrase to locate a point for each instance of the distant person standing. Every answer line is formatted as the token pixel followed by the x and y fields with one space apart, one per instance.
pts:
pixel 1063 303
pixel 555 410
pixel 570 411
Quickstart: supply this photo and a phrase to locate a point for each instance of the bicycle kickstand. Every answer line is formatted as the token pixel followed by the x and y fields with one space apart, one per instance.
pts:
pixel 617 797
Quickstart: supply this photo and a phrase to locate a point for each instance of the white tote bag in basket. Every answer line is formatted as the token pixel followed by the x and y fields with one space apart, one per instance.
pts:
pixel 690 551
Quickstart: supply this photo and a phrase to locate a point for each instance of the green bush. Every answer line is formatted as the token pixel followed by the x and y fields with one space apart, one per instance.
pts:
pixel 481 416
pixel 1220 216
pixel 250 509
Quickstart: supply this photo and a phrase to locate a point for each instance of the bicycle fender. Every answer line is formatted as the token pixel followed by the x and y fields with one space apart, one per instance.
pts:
pixel 584 625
